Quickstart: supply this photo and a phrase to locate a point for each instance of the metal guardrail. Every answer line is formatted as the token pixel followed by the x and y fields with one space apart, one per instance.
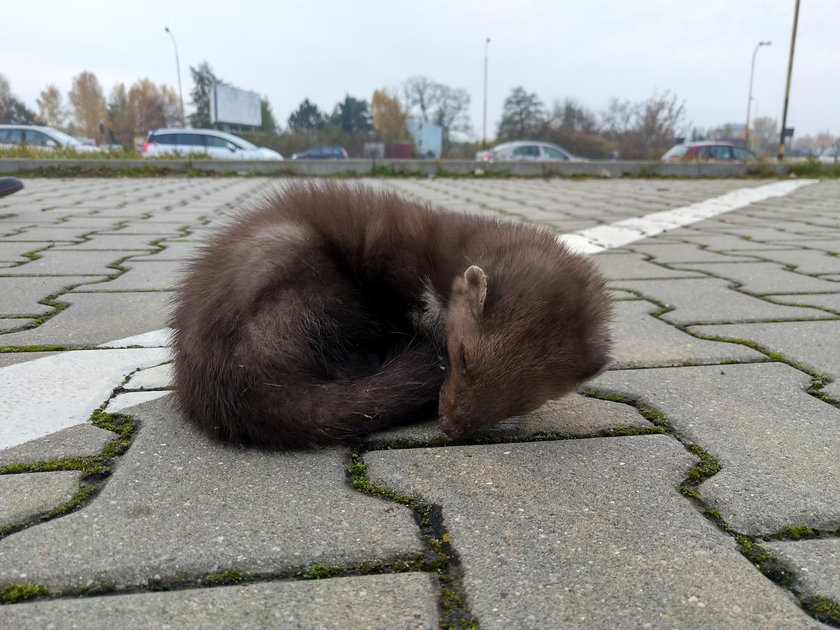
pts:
pixel 370 167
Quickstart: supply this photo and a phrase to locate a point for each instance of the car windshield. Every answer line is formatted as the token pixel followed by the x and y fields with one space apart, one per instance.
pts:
pixel 241 143
pixel 64 138
pixel 677 151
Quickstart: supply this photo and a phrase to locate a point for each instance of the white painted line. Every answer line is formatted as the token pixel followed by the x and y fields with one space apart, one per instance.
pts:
pixel 603 237
pixel 52 393
pixel 46 395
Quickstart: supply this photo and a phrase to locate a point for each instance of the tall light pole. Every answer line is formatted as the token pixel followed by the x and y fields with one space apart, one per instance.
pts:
pixel 484 126
pixel 749 100
pixel 178 69
pixel 787 83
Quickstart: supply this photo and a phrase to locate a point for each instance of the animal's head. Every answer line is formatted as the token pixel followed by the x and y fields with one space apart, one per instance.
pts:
pixel 513 347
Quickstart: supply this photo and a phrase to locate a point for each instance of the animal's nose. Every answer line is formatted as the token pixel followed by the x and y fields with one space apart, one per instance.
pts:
pixel 450 429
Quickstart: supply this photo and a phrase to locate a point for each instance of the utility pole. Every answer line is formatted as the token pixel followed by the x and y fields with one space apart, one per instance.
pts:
pixel 787 84
pixel 749 100
pixel 178 69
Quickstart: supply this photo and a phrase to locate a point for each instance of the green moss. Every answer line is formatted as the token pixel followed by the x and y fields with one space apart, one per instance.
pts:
pixel 707 467
pixel 823 609
pixel 768 564
pixel 100 588
pixel 798 532
pixel 231 576
pixel 10 593
pixel 84 492
pixel 319 571
pixel 654 417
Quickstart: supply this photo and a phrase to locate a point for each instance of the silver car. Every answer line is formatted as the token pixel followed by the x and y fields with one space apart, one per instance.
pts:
pixel 37 137
pixel 216 144
pixel 527 150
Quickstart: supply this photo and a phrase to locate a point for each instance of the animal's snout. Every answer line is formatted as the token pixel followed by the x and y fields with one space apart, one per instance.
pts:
pixel 449 428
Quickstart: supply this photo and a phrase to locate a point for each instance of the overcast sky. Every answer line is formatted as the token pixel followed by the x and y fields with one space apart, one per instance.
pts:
pixel 589 50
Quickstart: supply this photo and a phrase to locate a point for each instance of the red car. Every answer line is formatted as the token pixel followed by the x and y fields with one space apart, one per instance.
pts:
pixel 708 151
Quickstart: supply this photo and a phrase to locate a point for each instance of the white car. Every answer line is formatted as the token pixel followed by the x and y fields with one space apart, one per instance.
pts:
pixel 38 137
pixel 526 150
pixel 830 155
pixel 216 144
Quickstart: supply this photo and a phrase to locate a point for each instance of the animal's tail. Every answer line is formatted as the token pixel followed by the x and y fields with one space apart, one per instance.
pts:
pixel 403 389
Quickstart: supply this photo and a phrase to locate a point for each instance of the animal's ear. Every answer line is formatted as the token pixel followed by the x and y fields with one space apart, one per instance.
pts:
pixel 476 281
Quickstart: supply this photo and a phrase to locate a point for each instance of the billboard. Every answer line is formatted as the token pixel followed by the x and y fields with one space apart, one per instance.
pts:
pixel 233 106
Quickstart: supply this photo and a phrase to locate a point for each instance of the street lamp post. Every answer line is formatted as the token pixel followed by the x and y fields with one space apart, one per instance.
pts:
pixel 750 98
pixel 781 155
pixel 178 69
pixel 484 126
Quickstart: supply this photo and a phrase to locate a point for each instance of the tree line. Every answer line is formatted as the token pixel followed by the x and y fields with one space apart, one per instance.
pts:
pixel 624 128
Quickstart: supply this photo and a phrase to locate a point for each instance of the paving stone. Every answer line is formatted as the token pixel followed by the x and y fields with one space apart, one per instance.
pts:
pixel 766 278
pixel 179 504
pixel 82 440
pixel 712 300
pixel 725 243
pixel 831 245
pixel 12 358
pixel 122 402
pixel 133 242
pixel 830 301
pixel 375 602
pixel 26 496
pixel 812 344
pixel 621 266
pixel 585 533
pixel 570 414
pixel 70 263
pixel 12 323
pixel 816 563
pixel 13 252
pixel 642 340
pixel 38 233
pixel 94 318
pixel 806 261
pixel 151 378
pixel 173 250
pixel 143 276
pixel 664 252
pixel 20 296
pixel 778 445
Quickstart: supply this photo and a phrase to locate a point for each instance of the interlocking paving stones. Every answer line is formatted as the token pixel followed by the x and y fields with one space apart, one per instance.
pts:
pixel 766 278
pixel 644 340
pixel 179 504
pixel 541 528
pixel 53 262
pixel 374 602
pixel 83 440
pixel 22 296
pixel 143 276
pixel 93 318
pixel 25 496
pixel 812 344
pixel 775 442
pixel 815 562
pixel 778 444
pixel 712 300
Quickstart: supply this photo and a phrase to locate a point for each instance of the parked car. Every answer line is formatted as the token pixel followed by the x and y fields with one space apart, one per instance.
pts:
pixel 322 153
pixel 830 155
pixel 708 151
pixel 527 150
pixel 38 137
pixel 216 144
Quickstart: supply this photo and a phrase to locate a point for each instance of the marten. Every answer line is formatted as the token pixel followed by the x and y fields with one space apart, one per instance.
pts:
pixel 328 311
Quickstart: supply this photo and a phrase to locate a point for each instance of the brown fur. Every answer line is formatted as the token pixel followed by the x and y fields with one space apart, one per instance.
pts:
pixel 332 310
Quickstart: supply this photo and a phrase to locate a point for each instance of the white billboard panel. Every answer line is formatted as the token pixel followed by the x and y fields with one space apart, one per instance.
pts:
pixel 233 106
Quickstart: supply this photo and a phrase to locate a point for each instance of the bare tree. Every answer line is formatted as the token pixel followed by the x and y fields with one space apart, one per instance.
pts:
pixel 523 116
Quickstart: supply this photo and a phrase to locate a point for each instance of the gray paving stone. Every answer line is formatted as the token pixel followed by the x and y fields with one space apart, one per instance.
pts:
pixel 712 300
pixel 830 301
pixel 25 496
pixel 666 252
pixel 725 243
pixel 621 266
pixel 151 378
pixel 816 563
pixel 70 263
pixel 142 276
pixel 778 445
pixel 13 251
pixel 831 245
pixel 134 242
pixel 95 318
pixel 179 504
pixel 20 296
pixel 570 414
pixel 642 340
pixel 124 403
pixel 806 261
pixel 766 278
pixel 12 358
pixel 82 440
pixel 585 533
pixel 12 323
pixel 383 602
pixel 812 344
pixel 173 250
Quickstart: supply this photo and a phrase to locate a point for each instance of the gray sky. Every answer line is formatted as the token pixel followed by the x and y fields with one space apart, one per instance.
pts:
pixel 589 50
